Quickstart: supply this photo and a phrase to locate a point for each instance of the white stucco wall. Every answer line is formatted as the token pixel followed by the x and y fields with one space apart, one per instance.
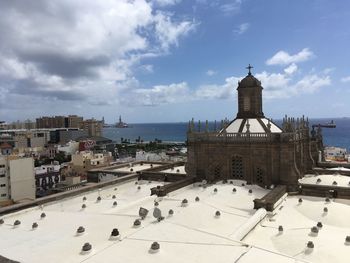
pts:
pixel 22 179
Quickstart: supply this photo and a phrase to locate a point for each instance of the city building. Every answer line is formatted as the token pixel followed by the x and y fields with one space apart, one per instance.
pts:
pixel 46 177
pixel 84 161
pixel 252 147
pixel 335 154
pixel 17 182
pixel 93 127
pixel 73 121
pixel 50 122
pixel 70 121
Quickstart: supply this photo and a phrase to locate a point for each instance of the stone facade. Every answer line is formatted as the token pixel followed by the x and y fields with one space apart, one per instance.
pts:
pixel 268 157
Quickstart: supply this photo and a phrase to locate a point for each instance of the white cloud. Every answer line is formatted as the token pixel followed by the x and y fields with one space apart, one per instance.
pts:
pixel 158 95
pixel 345 79
pixel 230 7
pixel 211 72
pixel 169 32
pixel 147 68
pixel 292 68
pixel 242 28
pixel 84 50
pixel 284 58
pixel 166 2
pixel 223 91
pixel 278 85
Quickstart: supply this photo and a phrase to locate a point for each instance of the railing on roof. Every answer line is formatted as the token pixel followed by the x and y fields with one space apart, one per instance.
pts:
pixel 245 137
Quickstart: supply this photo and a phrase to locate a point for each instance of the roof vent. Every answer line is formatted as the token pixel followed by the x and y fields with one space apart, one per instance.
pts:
pixel 250 191
pixel 17 223
pixel 115 232
pixel 314 231
pixel 115 203
pixel 98 199
pixel 139 188
pixel 149 182
pixel 83 206
pixel 310 245
pixel 84 198
pixel 115 189
pixel 177 170
pixel 131 170
pixel 231 182
pixel 136 182
pixel 334 183
pixel 224 181
pixel 171 212
pixel 280 229
pixel 319 225
pixel 80 230
pixel 234 190
pixel 34 225
pixel 325 210
pixel 156 204
pixel 87 247
pixel 184 202
pixel 2 221
pixel 215 190
pixel 151 165
pixel 137 223
pixel 43 215
pixel 318 180
pixel 154 247
pixel 143 212
pixel 243 184
pixel 197 199
pixel 217 214
pixel 347 240
pixel 157 213
pixel 300 200
pixel 327 200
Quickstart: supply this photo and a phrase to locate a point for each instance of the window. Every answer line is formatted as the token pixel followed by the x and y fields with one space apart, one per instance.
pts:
pixel 217 171
pixel 237 167
pixel 259 176
pixel 3 195
pixel 2 165
pixel 2 175
pixel 2 185
pixel 246 104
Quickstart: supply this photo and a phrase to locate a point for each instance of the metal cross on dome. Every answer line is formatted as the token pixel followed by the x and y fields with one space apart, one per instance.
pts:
pixel 249 68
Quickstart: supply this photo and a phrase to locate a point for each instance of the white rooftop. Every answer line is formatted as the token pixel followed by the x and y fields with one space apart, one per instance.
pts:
pixel 254 126
pixel 175 170
pixel 326 179
pixel 192 234
pixel 297 220
pixel 135 167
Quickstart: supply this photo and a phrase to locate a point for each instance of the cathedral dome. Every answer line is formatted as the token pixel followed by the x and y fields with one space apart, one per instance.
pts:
pixel 249 81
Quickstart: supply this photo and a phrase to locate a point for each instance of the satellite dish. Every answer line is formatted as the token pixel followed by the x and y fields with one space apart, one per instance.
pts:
pixel 143 212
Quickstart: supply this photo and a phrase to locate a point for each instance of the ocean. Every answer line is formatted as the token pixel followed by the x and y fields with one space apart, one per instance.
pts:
pixel 176 132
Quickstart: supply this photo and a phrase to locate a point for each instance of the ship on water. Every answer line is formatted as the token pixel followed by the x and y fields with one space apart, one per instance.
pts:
pixel 121 124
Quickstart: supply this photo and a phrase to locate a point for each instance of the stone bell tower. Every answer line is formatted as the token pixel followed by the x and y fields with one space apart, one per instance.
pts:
pixel 250 97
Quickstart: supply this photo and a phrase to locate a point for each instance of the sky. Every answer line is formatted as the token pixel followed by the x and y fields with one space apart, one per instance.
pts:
pixel 172 60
